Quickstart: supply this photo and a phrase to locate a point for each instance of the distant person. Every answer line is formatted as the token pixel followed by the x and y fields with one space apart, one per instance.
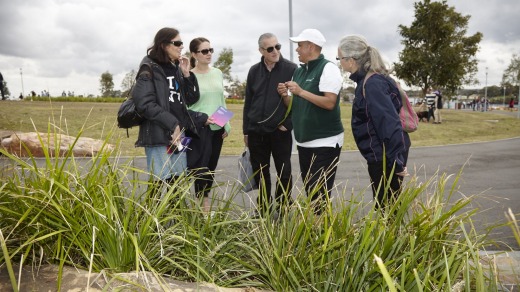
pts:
pixel 205 152
pixel 21 96
pixel 2 86
pixel 266 125
pixel 430 101
pixel 438 107
pixel 376 125
pixel 512 104
pixel 316 116
pixel 163 90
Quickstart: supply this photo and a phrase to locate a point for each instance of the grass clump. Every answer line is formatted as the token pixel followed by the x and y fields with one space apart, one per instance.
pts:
pixel 99 214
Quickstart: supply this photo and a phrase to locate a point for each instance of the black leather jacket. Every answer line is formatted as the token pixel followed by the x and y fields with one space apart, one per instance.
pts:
pixel 151 93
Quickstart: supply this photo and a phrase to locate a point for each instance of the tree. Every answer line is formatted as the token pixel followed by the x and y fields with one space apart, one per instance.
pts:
pixel 236 88
pixel 224 61
pixel 512 73
pixel 511 76
pixel 107 84
pixel 436 51
pixel 128 82
pixel 6 90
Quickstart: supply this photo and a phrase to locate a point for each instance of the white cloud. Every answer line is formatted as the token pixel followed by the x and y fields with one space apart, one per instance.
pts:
pixel 67 44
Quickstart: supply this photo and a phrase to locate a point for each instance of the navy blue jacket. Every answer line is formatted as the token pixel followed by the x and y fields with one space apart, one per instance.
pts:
pixel 375 123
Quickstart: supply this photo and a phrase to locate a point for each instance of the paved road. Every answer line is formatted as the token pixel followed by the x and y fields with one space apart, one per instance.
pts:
pixel 491 173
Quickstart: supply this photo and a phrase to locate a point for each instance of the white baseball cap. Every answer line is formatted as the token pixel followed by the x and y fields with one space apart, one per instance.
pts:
pixel 310 35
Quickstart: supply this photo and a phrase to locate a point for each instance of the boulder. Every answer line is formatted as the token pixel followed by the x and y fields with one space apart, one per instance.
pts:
pixel 21 144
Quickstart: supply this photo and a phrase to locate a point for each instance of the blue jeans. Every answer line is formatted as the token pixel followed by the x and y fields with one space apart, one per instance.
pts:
pixel 163 165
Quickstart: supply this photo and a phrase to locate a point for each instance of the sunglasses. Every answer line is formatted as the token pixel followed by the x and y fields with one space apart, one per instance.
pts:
pixel 271 49
pixel 176 43
pixel 205 51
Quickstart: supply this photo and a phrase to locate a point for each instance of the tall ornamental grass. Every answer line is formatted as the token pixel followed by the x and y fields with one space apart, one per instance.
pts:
pixel 99 215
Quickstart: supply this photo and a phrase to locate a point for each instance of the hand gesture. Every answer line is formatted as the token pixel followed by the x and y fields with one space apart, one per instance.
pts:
pixel 209 121
pixel 176 136
pixel 184 64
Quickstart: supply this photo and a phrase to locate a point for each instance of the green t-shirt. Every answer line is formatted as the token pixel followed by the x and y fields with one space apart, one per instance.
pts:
pixel 211 95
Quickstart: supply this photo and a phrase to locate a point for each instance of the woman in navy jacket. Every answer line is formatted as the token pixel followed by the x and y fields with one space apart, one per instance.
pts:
pixel 375 122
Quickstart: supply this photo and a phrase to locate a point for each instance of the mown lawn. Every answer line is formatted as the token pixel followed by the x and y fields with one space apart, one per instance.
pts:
pixel 98 120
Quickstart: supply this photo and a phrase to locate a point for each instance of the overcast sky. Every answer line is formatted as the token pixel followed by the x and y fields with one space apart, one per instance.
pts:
pixel 67 44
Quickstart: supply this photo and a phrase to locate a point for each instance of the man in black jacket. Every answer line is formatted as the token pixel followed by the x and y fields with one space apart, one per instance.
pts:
pixel 267 122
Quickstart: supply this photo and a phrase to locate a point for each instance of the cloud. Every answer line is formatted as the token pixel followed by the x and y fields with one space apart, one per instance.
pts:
pixel 68 44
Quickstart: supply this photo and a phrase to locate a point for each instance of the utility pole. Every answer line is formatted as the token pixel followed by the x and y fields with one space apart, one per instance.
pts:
pixel 485 92
pixel 21 77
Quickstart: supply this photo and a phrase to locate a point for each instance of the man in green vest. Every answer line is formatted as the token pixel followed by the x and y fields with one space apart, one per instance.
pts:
pixel 318 130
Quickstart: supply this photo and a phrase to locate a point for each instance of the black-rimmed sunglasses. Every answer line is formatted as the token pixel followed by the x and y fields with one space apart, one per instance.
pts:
pixel 176 43
pixel 205 51
pixel 271 49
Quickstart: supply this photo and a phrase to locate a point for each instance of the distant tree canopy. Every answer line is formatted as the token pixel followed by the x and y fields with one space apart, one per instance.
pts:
pixel 106 84
pixel 512 73
pixel 437 52
pixel 6 89
pixel 128 82
pixel 224 61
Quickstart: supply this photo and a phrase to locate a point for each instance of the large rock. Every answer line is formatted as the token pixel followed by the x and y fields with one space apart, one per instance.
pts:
pixel 44 278
pixel 21 144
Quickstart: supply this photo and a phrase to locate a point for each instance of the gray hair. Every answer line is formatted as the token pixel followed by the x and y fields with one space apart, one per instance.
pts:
pixel 366 57
pixel 264 36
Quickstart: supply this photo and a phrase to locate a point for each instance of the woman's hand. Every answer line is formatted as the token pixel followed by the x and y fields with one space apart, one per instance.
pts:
pixel 176 136
pixel 224 135
pixel 184 64
pixel 209 121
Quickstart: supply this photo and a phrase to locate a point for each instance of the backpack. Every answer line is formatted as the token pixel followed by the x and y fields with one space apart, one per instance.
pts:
pixel 407 115
pixel 439 100
pixel 127 115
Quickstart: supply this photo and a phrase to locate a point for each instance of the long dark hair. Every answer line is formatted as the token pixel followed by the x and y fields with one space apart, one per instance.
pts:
pixel 194 47
pixel 162 38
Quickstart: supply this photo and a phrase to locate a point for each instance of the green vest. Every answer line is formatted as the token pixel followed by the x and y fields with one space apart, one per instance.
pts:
pixel 310 121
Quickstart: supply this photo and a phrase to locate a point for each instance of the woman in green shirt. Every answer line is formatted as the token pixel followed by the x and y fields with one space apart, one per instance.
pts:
pixel 205 152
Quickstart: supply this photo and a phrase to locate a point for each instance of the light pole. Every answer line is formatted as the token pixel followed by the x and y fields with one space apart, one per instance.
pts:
pixel 485 92
pixel 518 106
pixel 21 77
pixel 290 30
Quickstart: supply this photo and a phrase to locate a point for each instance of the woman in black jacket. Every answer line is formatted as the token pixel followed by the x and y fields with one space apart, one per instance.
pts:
pixel 163 89
pixel 376 126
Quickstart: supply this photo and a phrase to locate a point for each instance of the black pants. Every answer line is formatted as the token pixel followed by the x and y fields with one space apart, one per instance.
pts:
pixel 261 147
pixel 430 114
pixel 381 179
pixel 204 168
pixel 318 169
